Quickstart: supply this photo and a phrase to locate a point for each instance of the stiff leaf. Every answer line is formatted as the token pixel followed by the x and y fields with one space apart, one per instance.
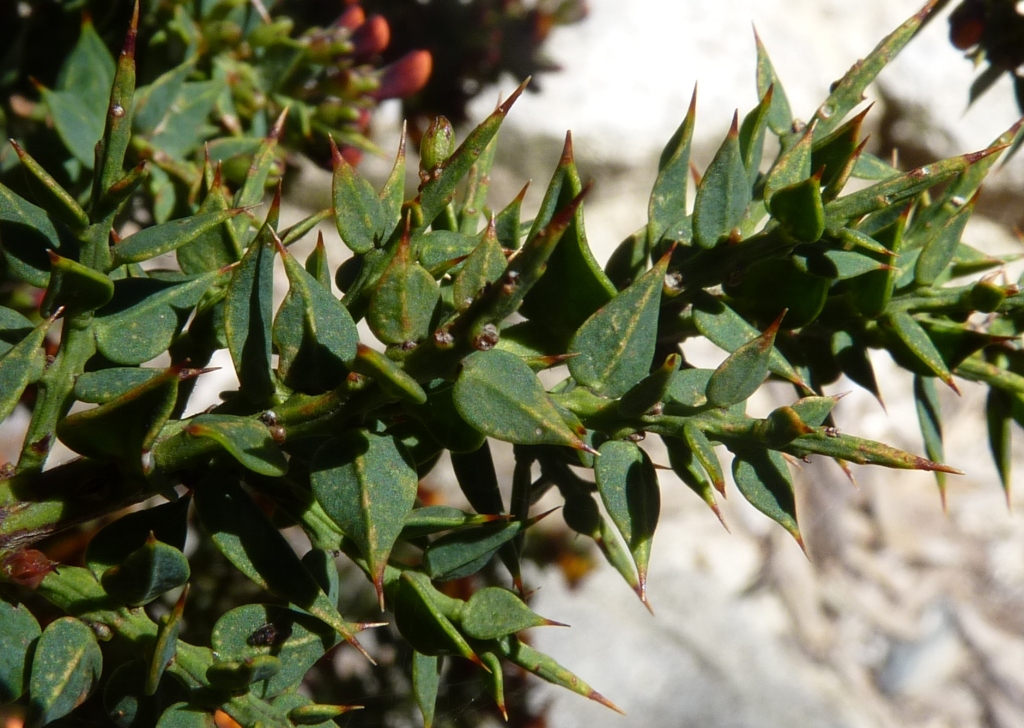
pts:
pixel 247 440
pixel 296 639
pixel 723 194
pixel 20 630
pixel 743 371
pixel 629 489
pixel 247 538
pixel 499 395
pixel 762 476
pixel 65 669
pixel 668 197
pixel 367 484
pixel 493 612
pixel 615 346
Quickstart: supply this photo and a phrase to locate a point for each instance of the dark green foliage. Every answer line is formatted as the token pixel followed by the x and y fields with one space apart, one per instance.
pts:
pixel 789 276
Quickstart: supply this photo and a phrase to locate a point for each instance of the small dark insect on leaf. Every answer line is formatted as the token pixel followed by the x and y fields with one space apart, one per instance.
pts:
pixel 269 635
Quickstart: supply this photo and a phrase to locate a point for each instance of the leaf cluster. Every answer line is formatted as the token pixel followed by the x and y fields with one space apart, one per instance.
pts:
pixel 794 278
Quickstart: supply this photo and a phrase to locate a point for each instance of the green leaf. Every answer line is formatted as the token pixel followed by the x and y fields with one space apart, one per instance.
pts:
pixel 723 193
pixel 253 630
pixel 894 190
pixel 752 132
pixel 762 476
pixel 499 395
pixel 182 715
pixel 148 572
pixel 422 616
pixel 391 378
pixel 123 696
pixel 430 520
pixel 483 266
pixel 367 484
pixel 519 653
pixel 28 233
pixel 145 316
pixel 89 69
pixel 870 293
pixel 166 644
pixel 836 153
pixel 651 390
pixel 493 612
pixel 65 669
pixel 683 463
pixel 688 387
pixel 792 167
pixel 113 144
pixel 852 357
pixel 848 91
pixel 182 131
pixel 75 287
pixel 727 329
pixel 154 101
pixel 358 211
pixel 404 300
pixel 116 541
pixel 56 200
pixel 215 248
pixel 799 210
pixel 615 346
pixel 780 118
pixel 78 122
pixel 317 265
pixel 507 221
pixel 248 441
pixel 941 246
pixel 582 515
pixel 317 339
pixel 743 371
pixel 437 192
pixel 392 194
pixel 124 429
pixel 629 489
pixel 929 418
pixel 246 537
pixel 466 551
pixel 921 346
pixel 20 630
pixel 253 187
pixel 236 676
pixel 21 365
pixel 426 678
pixel 159 239
pixel 998 408
pixel 104 385
pixel 573 286
pixel 248 308
pixel 704 451
pixel 668 197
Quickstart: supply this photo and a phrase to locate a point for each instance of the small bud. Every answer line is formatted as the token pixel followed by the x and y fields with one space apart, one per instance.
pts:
pixel 986 296
pixel 405 76
pixel 372 37
pixel 437 145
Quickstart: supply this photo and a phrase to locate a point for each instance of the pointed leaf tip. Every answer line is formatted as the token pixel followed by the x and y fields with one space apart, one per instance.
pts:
pixel 504 107
pixel 133 31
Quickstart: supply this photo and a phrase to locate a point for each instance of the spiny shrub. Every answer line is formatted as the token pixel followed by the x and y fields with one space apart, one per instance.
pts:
pixel 793 278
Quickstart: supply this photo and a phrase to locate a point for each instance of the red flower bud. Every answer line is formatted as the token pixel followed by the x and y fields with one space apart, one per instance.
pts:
pixel 372 37
pixel 351 18
pixel 27 567
pixel 405 76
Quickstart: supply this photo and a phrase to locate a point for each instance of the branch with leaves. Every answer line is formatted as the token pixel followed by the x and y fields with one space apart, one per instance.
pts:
pixel 795 280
